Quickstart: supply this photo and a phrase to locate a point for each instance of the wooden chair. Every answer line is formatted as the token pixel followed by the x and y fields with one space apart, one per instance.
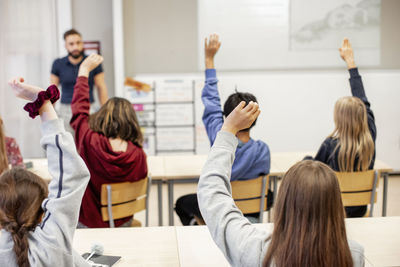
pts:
pixel 120 200
pixel 358 188
pixel 250 196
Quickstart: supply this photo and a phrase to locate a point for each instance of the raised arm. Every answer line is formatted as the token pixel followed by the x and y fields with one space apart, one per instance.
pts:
pixel 68 171
pixel 356 84
pixel 80 104
pixel 213 117
pixel 231 231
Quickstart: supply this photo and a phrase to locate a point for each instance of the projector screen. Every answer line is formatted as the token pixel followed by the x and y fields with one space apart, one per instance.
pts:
pixel 283 34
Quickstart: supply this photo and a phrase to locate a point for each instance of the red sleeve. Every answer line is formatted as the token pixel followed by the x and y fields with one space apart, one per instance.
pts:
pixel 80 106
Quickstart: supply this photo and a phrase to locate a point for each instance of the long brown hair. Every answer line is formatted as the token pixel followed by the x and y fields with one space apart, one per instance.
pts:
pixel 3 150
pixel 117 119
pixel 309 228
pixel 21 196
pixel 355 144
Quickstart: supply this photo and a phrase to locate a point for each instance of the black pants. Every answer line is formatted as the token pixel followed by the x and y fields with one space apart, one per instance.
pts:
pixel 356 211
pixel 187 207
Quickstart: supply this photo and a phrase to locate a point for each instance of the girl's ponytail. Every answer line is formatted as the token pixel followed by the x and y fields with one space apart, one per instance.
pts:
pixel 21 196
pixel 19 235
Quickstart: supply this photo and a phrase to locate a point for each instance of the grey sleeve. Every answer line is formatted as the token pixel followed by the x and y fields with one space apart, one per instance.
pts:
pixel 70 177
pixel 241 242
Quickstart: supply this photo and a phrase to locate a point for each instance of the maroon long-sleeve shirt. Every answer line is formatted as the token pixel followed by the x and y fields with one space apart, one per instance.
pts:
pixel 104 164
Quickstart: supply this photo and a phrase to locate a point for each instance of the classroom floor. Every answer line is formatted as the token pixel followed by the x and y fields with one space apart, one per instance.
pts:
pixel 393 206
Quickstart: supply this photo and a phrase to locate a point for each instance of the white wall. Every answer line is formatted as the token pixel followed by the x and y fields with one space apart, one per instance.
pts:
pixel 297 107
pixel 93 19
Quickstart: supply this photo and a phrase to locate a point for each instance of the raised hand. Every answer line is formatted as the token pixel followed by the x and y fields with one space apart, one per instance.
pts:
pixel 23 90
pixel 30 93
pixel 89 64
pixel 346 53
pixel 211 47
pixel 242 117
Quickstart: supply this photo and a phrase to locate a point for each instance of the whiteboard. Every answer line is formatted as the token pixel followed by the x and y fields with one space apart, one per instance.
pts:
pixel 174 114
pixel 281 34
pixel 174 90
pixel 175 139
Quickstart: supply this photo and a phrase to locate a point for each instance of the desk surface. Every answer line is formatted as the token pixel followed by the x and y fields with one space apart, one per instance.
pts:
pixel 147 246
pixel 190 166
pixel 380 237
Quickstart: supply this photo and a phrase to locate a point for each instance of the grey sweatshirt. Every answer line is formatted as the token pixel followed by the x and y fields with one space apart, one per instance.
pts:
pixel 242 243
pixel 50 244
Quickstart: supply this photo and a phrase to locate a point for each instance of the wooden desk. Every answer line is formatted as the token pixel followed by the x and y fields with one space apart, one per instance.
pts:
pixel 187 168
pixel 144 246
pixel 380 237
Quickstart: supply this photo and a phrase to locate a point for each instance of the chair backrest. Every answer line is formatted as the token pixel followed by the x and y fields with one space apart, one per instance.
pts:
pixel 120 200
pixel 358 188
pixel 250 196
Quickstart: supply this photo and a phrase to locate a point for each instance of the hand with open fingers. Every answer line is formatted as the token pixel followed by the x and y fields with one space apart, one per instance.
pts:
pixel 242 117
pixel 23 90
pixel 346 53
pixel 212 46
pixel 91 62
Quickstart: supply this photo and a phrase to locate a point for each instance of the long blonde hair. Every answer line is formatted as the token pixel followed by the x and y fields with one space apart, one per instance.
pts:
pixel 3 151
pixel 309 228
pixel 355 144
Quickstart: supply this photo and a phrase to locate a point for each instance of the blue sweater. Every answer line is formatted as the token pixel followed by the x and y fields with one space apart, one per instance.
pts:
pixel 252 159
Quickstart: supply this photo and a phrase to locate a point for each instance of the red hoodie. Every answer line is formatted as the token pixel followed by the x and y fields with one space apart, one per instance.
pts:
pixel 105 165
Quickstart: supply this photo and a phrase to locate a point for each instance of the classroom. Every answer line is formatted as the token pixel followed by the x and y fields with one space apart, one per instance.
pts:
pixel 199 133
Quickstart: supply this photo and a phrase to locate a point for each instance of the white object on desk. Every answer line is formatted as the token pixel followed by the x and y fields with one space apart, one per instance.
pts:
pixel 144 246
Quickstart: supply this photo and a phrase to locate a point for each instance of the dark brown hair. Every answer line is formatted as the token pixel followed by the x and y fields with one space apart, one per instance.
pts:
pixel 71 32
pixel 3 150
pixel 21 196
pixel 233 101
pixel 117 119
pixel 309 228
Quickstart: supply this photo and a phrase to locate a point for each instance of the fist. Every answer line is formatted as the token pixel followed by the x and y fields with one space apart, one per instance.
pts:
pixel 23 90
pixel 241 117
pixel 91 62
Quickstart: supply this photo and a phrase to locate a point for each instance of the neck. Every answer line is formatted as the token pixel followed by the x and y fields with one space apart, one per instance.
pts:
pixel 118 145
pixel 243 136
pixel 75 60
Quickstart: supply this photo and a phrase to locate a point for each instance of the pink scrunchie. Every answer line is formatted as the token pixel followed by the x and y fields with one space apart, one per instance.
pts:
pixel 52 93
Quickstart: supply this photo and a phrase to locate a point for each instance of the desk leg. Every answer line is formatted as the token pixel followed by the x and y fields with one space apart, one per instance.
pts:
pixel 159 192
pixel 385 188
pixel 171 202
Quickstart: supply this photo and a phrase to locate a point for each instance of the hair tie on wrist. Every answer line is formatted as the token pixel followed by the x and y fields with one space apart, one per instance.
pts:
pixel 52 93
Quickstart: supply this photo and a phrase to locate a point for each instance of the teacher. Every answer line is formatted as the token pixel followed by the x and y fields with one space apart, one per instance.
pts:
pixel 65 70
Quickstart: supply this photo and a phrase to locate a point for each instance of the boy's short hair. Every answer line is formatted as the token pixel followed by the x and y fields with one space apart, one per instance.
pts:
pixel 71 32
pixel 234 100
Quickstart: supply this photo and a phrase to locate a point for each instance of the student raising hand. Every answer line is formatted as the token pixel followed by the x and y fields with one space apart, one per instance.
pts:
pixel 346 53
pixel 211 48
pixel 89 64
pixel 39 230
pixel 241 117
